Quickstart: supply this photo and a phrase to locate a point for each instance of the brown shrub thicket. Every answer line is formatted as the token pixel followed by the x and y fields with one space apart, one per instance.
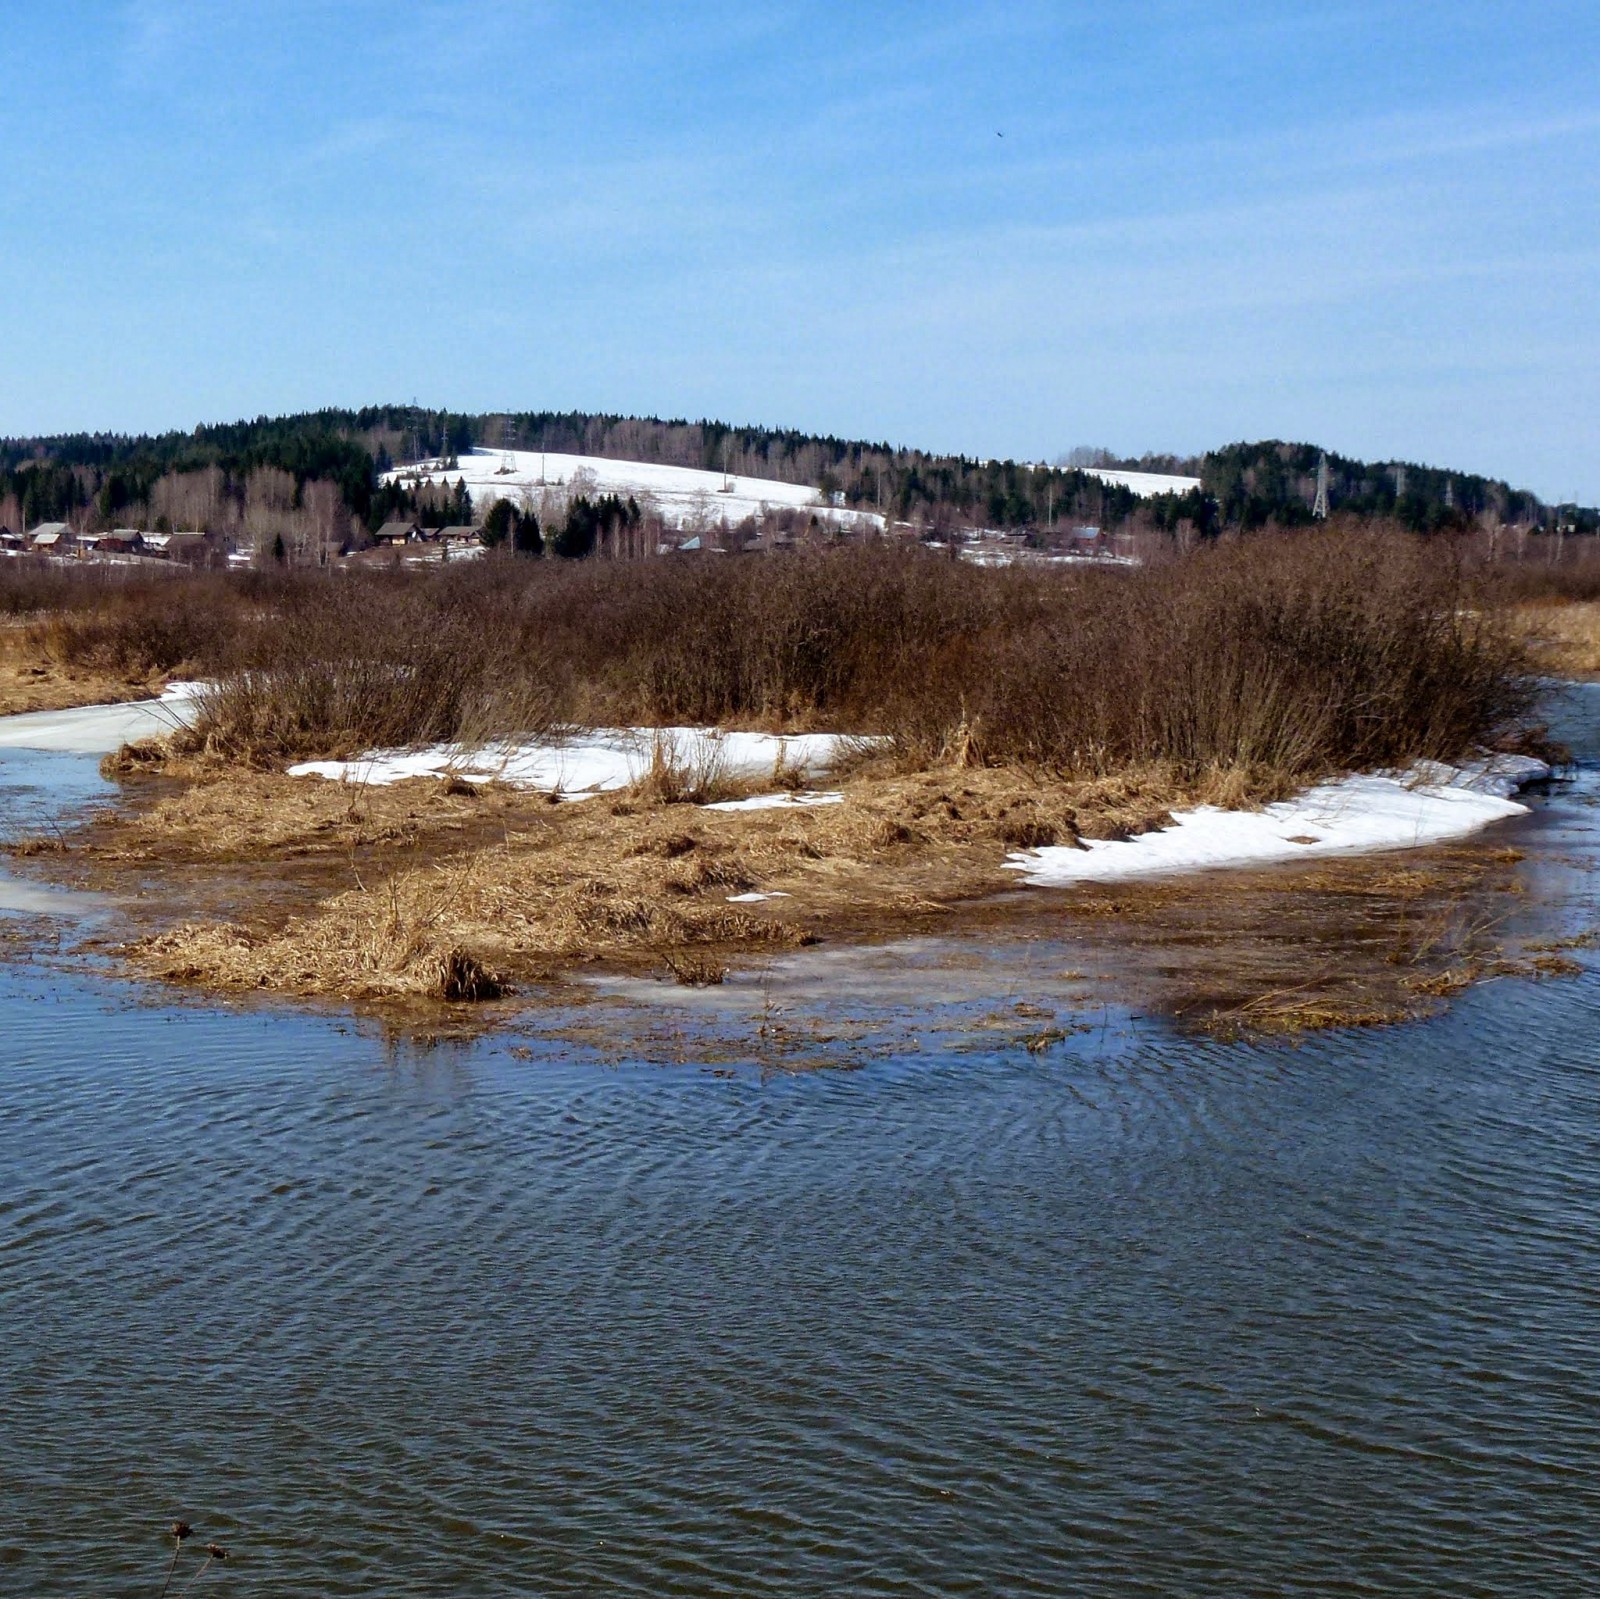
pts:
pixel 1558 572
pixel 1289 654
pixel 156 627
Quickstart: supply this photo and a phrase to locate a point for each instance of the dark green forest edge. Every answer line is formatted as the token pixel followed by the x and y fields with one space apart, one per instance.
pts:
pixel 100 480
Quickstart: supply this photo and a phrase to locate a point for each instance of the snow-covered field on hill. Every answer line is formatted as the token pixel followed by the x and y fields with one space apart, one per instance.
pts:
pixel 1144 484
pixel 682 496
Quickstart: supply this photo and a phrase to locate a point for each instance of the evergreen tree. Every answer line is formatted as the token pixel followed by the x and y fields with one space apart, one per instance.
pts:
pixel 499 523
pixel 577 537
pixel 525 537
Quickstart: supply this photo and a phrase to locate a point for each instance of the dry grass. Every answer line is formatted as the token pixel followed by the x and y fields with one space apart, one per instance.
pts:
pixel 402 878
pixel 1563 639
pixel 33 680
pixel 417 894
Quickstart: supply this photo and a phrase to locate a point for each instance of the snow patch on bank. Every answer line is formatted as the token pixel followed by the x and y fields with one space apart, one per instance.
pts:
pixel 1430 804
pixel 778 802
pixel 594 762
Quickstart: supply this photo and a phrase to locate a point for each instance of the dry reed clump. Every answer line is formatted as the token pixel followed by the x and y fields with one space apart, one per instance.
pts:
pixel 1563 639
pixel 686 772
pixel 33 680
pixel 1287 1015
pixel 694 971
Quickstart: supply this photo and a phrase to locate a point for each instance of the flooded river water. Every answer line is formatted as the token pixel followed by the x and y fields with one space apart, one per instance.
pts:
pixel 1141 1313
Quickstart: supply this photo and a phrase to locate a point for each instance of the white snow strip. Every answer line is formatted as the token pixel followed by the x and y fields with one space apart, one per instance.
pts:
pixel 1144 484
pixel 684 496
pixel 99 729
pixel 593 762
pixel 755 899
pixel 1428 805
pixel 777 802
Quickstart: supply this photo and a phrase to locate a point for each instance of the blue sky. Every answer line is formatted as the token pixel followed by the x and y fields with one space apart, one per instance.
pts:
pixel 1374 226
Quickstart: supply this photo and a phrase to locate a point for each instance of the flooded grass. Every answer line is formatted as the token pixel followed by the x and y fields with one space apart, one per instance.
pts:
pixel 1022 710
pixel 415 902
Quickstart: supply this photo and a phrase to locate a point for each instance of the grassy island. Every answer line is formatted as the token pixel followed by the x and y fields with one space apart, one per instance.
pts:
pixel 988 711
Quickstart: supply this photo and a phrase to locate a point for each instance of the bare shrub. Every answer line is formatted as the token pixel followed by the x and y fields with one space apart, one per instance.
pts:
pixel 374 663
pixel 137 629
pixel 1285 653
pixel 1273 655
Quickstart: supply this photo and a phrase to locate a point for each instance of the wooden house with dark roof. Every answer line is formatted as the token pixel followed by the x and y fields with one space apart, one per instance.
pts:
pixel 395 533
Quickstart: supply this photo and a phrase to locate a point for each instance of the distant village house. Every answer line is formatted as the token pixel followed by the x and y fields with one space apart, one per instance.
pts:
pixel 392 534
pixel 121 541
pixel 196 549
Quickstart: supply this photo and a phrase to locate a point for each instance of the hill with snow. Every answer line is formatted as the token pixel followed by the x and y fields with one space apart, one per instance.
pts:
pixel 1144 484
pixel 682 496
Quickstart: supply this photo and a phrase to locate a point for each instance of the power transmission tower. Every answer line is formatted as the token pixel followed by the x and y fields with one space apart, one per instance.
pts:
pixel 1320 509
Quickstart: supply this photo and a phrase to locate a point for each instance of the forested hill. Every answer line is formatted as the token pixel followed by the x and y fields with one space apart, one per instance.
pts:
pixel 102 477
pixel 336 458
pixel 1254 484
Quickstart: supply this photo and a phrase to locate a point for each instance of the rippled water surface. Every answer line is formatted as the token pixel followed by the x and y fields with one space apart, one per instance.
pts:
pixel 1140 1314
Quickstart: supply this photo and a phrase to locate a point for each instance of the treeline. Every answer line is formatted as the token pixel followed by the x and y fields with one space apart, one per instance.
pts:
pixel 939 491
pixel 98 479
pixel 315 479
pixel 1254 485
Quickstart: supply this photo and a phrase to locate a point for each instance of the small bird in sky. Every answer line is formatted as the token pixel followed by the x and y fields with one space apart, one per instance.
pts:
pixel 998 134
